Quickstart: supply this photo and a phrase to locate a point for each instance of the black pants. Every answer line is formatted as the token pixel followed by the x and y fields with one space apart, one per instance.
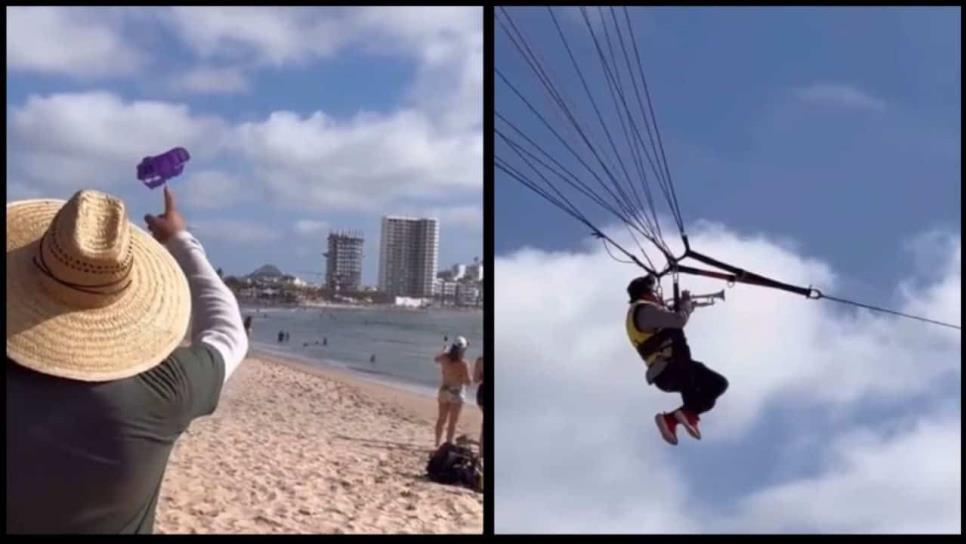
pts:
pixel 699 386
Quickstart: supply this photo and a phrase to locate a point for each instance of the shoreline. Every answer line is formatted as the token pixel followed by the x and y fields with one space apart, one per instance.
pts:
pixel 264 350
pixel 252 305
pixel 405 395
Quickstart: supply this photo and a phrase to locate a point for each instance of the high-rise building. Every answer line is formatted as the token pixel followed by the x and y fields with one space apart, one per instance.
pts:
pixel 475 271
pixel 408 255
pixel 343 261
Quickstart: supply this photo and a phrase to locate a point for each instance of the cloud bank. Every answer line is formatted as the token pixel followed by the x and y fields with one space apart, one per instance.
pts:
pixel 835 420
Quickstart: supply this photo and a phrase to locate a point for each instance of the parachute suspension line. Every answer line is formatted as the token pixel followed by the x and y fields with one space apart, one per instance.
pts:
pixel 530 56
pixel 673 195
pixel 596 198
pixel 615 88
pixel 562 202
pixel 630 202
pixel 662 182
pixel 600 118
pixel 514 173
pixel 522 46
pixel 612 255
pixel 623 197
pixel 615 84
pixel 574 182
pixel 565 205
pixel 585 189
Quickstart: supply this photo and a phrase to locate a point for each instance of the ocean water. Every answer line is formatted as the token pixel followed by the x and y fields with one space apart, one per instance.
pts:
pixel 404 342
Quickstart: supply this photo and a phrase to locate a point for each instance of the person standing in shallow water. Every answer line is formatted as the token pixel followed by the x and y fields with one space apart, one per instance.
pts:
pixel 455 374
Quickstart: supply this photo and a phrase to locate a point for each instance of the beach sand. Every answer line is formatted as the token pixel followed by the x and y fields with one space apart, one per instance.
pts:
pixel 297 449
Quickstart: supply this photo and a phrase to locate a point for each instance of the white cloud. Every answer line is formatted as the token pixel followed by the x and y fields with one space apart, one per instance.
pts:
pixel 942 298
pixel 62 142
pixel 429 150
pixel 840 95
pixel 211 81
pixel 578 447
pixel 277 36
pixel 447 42
pixel 233 231
pixel 270 35
pixel 320 163
pixel 436 35
pixel 907 480
pixel 69 40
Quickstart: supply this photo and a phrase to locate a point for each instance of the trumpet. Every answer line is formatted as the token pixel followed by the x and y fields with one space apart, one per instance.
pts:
pixel 708 298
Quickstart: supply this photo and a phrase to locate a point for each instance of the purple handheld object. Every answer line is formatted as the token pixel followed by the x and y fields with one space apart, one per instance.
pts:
pixel 154 171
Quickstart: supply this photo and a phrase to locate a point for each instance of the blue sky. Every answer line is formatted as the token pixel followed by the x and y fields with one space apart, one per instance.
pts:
pixel 299 120
pixel 818 146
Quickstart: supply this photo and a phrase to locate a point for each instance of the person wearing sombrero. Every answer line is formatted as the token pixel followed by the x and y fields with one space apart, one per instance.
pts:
pixel 99 387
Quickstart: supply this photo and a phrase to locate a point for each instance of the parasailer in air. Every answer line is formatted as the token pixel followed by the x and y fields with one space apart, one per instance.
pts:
pixel 657 333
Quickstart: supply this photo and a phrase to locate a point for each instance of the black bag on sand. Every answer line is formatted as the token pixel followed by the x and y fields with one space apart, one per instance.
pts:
pixel 455 465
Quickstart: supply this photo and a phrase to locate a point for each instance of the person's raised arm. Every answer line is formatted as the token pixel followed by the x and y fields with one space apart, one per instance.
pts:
pixel 649 316
pixel 215 315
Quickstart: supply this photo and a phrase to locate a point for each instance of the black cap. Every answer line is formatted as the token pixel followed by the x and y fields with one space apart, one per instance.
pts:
pixel 641 285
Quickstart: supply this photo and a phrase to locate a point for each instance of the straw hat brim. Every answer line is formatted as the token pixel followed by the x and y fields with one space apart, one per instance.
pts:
pixel 130 335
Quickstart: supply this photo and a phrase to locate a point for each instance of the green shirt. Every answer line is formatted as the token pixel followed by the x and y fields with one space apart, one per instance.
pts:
pixel 90 457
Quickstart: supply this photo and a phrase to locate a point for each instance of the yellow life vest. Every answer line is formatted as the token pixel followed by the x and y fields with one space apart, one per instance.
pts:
pixel 638 337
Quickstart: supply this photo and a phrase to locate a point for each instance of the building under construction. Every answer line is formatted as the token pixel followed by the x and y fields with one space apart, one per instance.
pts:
pixel 343 261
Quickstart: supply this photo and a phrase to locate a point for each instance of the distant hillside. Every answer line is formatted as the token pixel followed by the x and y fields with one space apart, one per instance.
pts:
pixel 267 271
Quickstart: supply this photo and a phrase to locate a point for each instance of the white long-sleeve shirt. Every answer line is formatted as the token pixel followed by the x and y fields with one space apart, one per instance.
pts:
pixel 215 316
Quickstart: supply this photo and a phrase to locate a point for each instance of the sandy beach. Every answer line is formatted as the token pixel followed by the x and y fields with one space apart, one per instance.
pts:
pixel 297 449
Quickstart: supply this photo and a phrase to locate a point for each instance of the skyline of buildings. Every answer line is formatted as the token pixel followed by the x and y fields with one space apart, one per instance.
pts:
pixel 408 263
pixel 408 269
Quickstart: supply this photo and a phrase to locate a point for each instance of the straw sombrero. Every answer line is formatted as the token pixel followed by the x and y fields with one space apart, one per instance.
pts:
pixel 90 296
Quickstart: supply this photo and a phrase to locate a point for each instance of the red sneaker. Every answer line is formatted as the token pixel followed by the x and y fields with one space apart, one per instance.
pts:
pixel 667 425
pixel 689 420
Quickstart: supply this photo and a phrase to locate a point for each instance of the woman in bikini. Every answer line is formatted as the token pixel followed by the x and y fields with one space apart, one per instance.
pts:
pixel 455 372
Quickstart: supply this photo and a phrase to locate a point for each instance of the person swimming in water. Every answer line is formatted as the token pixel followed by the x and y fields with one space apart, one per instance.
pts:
pixel 455 374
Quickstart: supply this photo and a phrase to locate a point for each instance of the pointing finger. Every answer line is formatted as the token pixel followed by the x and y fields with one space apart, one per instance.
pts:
pixel 168 200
